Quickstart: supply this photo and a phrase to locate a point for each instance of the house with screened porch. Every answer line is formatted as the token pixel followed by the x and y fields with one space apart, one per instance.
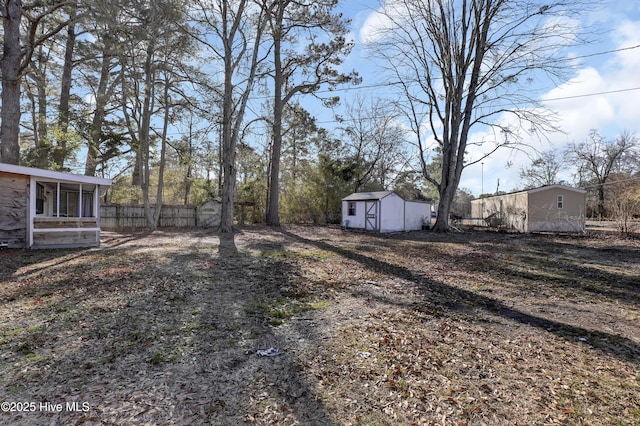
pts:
pixel 47 209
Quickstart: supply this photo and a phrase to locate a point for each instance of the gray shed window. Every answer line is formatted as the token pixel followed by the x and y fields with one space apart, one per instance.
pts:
pixel 560 201
pixel 352 208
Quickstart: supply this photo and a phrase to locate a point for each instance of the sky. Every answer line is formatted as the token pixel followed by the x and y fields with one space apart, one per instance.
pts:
pixel 603 92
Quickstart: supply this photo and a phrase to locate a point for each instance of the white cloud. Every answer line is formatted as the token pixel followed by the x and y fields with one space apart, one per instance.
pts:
pixel 370 30
pixel 576 110
pixel 381 20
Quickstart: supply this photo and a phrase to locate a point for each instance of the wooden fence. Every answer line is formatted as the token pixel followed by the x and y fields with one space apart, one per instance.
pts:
pixel 117 216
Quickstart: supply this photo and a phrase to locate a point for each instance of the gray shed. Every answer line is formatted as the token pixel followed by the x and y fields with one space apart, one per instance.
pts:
pixel 209 214
pixel 384 211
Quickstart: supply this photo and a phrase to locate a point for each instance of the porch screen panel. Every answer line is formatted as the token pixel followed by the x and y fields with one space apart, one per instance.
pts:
pixel 87 204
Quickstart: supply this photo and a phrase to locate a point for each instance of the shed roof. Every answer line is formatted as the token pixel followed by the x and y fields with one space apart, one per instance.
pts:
pixel 539 189
pixel 568 188
pixel 55 176
pixel 366 196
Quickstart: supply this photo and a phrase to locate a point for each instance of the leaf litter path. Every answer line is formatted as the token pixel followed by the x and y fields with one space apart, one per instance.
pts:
pixel 415 328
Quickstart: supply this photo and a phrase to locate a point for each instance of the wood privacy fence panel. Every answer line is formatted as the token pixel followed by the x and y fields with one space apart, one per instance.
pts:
pixel 116 216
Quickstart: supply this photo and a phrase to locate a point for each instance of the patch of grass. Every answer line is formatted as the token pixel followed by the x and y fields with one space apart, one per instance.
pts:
pixel 277 316
pixel 191 326
pixel 280 314
pixel 26 347
pixel 156 358
pixel 33 358
pixel 15 389
pixel 319 305
pixel 282 309
pixel 12 332
pixel 275 322
pixel 315 254
pixel 278 254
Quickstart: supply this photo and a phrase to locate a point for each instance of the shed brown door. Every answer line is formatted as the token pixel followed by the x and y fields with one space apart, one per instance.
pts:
pixel 371 215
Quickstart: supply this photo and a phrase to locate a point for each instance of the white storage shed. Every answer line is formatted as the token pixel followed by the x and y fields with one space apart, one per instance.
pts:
pixel 384 211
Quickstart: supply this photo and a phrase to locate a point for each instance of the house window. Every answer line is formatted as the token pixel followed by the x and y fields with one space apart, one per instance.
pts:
pixel 352 208
pixel 560 201
pixel 39 199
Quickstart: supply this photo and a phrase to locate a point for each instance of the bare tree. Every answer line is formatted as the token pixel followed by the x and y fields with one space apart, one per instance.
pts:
pixel 464 64
pixel 103 94
pixel 623 202
pixel 236 35
pixel 153 68
pixel 544 170
pixel 598 158
pixel 374 142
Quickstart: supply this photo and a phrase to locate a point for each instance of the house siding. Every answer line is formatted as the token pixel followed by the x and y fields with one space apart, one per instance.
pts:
pixel 545 216
pixel 508 210
pixel 535 210
pixel 14 202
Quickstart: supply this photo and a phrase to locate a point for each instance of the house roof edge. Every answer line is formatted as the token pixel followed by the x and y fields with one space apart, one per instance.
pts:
pixel 56 176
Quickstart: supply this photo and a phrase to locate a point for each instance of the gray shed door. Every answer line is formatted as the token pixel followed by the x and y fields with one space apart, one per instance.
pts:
pixel 371 215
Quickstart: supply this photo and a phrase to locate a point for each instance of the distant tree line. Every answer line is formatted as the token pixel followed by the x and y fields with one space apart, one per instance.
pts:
pixel 183 101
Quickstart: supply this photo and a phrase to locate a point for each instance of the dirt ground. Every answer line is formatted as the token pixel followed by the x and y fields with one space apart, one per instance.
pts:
pixel 418 328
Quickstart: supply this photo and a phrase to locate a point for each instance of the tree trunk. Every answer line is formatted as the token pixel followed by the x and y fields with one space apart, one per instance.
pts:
pixel 228 152
pixel 99 114
pixel 273 217
pixel 10 68
pixel 60 153
pixel 602 211
pixel 145 127
pixel 187 178
pixel 447 193
pixel 163 149
pixel 228 188
pixel 228 141
pixel 44 144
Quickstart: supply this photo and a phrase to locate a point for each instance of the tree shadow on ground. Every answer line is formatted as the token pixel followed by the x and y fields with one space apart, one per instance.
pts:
pixel 150 336
pixel 243 296
pixel 567 267
pixel 469 303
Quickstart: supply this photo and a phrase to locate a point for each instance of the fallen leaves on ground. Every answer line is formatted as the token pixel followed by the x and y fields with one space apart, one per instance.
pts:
pixel 416 328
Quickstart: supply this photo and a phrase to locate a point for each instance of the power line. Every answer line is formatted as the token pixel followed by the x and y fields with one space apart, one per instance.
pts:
pixel 615 182
pixel 622 49
pixel 396 83
pixel 630 89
